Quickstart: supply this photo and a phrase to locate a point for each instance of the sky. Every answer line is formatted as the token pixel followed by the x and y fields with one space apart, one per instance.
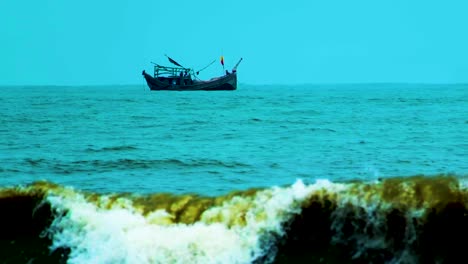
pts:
pixel 89 42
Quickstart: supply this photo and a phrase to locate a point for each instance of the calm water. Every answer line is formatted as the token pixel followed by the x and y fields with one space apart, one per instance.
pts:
pixel 124 175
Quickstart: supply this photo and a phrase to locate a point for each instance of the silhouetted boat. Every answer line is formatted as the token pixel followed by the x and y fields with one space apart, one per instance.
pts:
pixel 184 79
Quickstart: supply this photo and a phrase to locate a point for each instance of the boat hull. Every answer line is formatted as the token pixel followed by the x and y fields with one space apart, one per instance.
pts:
pixel 224 83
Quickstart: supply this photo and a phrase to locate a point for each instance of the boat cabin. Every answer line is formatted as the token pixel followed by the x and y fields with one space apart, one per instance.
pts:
pixel 173 75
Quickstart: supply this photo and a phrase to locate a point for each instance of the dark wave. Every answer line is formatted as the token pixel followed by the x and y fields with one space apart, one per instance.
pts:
pixel 24 218
pixel 112 149
pixel 413 220
pixel 416 219
pixel 62 167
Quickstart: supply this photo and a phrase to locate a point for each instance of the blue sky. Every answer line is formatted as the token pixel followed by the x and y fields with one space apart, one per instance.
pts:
pixel 87 42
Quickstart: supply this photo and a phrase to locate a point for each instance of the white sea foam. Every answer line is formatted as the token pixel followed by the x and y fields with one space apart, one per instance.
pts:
pixel 239 231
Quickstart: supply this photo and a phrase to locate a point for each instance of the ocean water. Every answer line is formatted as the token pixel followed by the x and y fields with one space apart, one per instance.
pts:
pixel 354 173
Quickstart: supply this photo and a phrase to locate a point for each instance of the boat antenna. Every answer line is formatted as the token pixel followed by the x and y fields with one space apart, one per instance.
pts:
pixel 205 67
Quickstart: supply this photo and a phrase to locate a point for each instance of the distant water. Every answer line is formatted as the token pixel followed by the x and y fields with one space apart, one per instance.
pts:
pixel 282 174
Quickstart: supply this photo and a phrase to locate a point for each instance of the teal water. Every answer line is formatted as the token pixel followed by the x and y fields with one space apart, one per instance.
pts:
pixel 126 138
pixel 371 173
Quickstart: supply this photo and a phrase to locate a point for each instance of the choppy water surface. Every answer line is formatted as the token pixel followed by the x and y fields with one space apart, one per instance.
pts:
pixel 261 174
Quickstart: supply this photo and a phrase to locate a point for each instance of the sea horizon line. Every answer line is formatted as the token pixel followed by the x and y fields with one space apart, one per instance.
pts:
pixel 242 84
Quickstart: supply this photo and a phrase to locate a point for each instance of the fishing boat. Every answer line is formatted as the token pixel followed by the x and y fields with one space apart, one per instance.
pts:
pixel 180 78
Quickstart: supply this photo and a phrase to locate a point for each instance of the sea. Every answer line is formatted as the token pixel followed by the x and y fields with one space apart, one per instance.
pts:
pixel 332 173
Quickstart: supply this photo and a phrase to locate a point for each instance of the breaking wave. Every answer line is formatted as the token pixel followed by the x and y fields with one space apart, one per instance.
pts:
pixel 417 219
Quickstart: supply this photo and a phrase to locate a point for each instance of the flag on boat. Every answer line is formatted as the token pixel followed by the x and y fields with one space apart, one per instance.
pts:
pixel 222 60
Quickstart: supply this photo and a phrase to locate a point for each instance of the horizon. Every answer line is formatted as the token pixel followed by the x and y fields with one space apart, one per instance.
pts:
pixel 241 84
pixel 302 42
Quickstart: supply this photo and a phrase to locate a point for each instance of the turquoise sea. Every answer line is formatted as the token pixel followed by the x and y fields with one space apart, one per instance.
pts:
pixel 350 173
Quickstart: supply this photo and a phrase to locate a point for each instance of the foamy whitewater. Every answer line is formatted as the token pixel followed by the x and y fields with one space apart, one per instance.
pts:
pixel 275 174
pixel 239 230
